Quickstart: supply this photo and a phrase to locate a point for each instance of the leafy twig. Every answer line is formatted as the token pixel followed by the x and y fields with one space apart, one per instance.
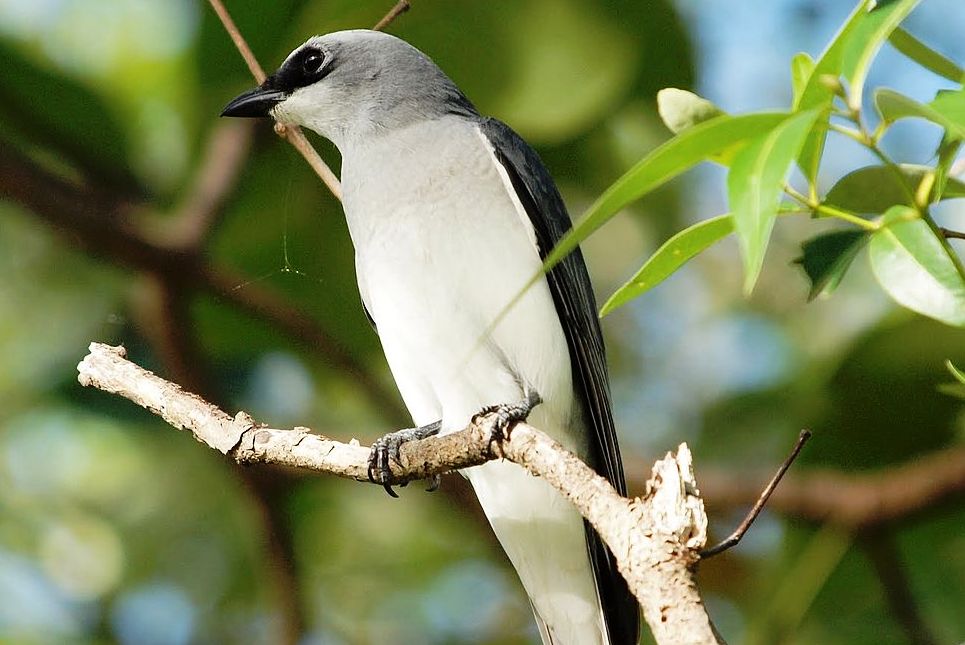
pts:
pixel 827 210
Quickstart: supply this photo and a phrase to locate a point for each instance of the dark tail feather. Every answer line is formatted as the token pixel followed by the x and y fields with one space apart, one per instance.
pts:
pixel 621 611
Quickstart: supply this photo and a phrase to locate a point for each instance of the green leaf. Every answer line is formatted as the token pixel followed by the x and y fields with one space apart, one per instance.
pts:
pixel 817 94
pixel 671 255
pixel 755 185
pixel 826 257
pixel 947 153
pixel 681 109
pixel 669 160
pixel 893 106
pixel 951 106
pixel 802 66
pixel 868 37
pixel 875 189
pixel 914 266
pixel 957 373
pixel 956 389
pixel 925 56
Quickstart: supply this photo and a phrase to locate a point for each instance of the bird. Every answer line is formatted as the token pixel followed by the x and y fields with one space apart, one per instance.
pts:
pixel 451 214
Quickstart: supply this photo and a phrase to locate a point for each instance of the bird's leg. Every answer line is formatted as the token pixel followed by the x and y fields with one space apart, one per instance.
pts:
pixel 508 414
pixel 388 448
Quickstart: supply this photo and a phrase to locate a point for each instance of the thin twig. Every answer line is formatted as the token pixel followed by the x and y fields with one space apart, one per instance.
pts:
pixel 239 41
pixel 951 235
pixel 853 502
pixel 736 536
pixel 290 133
pixel 294 135
pixel 400 8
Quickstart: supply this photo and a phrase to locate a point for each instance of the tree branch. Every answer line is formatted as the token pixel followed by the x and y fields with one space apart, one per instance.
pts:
pixel 215 177
pixel 853 502
pixel 655 538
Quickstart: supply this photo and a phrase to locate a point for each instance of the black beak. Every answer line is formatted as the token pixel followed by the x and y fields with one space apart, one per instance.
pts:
pixel 254 103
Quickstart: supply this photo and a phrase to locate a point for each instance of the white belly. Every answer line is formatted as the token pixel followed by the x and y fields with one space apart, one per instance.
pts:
pixel 441 250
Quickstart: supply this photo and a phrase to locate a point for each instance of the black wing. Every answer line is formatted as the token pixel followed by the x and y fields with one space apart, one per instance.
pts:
pixel 570 285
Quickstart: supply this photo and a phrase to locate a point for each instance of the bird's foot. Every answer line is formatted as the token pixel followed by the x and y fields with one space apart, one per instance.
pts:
pixel 388 447
pixel 509 414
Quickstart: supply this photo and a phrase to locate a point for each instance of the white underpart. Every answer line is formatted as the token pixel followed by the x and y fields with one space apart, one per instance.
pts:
pixel 442 245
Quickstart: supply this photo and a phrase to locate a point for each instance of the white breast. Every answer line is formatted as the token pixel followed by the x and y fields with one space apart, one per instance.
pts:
pixel 442 246
pixel 441 249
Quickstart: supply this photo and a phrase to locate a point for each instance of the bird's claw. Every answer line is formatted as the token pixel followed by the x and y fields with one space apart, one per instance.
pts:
pixel 508 415
pixel 386 450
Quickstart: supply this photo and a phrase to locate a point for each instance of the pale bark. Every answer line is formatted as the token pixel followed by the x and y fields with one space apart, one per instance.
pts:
pixel 655 538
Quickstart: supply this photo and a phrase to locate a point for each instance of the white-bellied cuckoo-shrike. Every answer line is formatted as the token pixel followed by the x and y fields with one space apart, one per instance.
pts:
pixel 451 214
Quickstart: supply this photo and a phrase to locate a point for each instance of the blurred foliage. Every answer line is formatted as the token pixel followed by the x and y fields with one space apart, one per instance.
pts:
pixel 114 528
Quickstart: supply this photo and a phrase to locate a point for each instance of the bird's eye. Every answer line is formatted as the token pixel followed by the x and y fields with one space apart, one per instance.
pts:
pixel 312 63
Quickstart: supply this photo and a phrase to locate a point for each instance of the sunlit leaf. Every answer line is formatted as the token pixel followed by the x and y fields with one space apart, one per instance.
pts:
pixel 951 105
pixel 755 185
pixel 672 255
pixel 826 257
pixel 947 152
pixel 925 56
pixel 956 389
pixel 868 37
pixel 677 155
pixel 914 266
pixel 802 66
pixel 816 94
pixel 957 373
pixel 893 106
pixel 875 189
pixel 681 109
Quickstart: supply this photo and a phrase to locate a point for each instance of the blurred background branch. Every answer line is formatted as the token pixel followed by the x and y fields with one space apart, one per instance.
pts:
pixel 108 228
pixel 861 502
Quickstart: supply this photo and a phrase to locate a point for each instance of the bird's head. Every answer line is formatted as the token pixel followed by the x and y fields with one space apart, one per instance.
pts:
pixel 351 84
